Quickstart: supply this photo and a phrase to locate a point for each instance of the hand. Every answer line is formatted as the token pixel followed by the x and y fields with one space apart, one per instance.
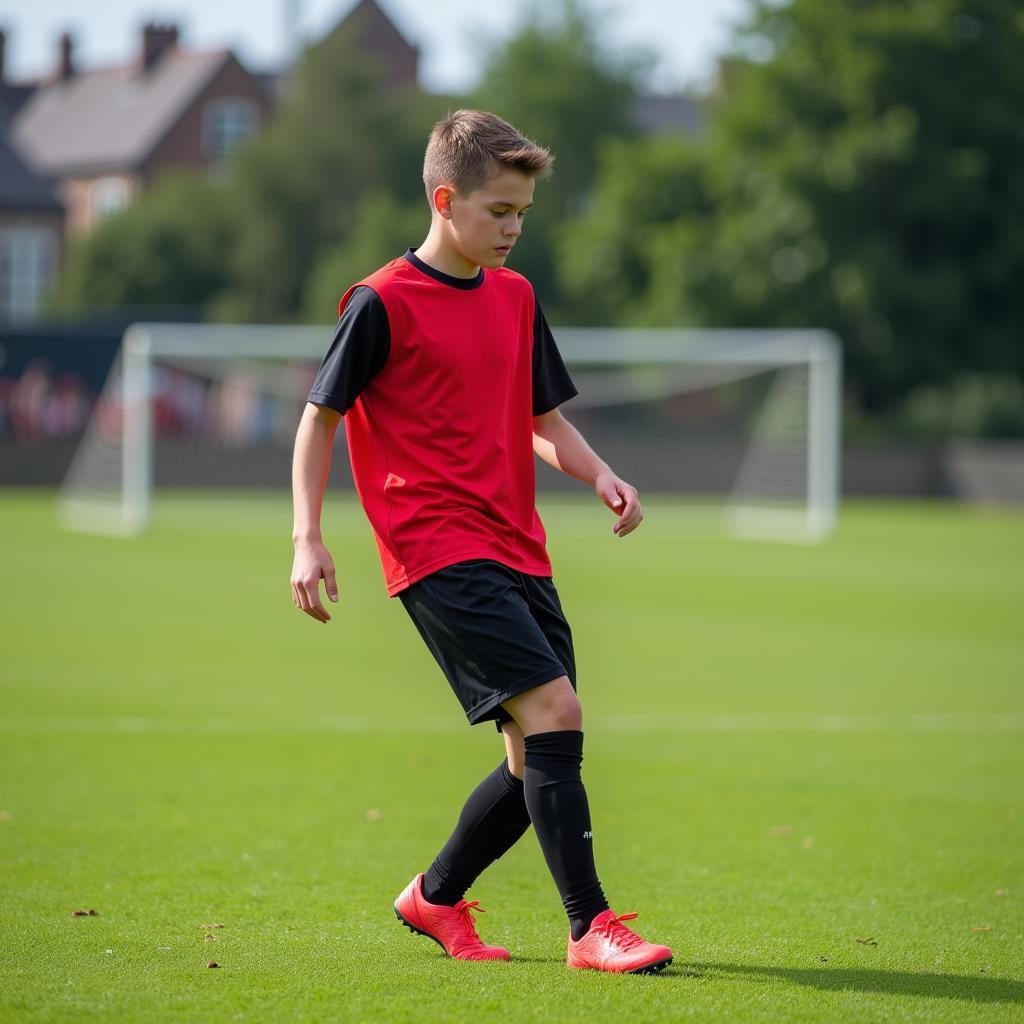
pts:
pixel 622 498
pixel 312 564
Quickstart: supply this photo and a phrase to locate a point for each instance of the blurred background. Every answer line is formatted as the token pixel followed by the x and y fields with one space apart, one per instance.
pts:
pixel 857 167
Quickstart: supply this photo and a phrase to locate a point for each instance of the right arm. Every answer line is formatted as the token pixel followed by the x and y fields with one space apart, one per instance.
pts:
pixel 311 465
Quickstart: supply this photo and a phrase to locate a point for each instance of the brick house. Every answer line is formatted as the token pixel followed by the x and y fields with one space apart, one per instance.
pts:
pixel 106 134
pixel 31 219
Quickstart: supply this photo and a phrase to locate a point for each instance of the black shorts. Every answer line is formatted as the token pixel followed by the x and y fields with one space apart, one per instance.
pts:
pixel 496 632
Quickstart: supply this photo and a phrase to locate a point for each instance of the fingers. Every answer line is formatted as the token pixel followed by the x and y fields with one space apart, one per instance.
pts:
pixel 331 581
pixel 608 492
pixel 306 595
pixel 632 512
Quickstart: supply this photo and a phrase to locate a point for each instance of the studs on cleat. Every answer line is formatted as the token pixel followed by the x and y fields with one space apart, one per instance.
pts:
pixel 655 968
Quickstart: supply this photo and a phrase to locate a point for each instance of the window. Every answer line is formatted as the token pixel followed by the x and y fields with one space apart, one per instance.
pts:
pixel 27 267
pixel 227 121
pixel 108 196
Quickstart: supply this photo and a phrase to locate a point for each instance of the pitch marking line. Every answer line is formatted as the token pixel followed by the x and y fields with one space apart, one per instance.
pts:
pixel 698 723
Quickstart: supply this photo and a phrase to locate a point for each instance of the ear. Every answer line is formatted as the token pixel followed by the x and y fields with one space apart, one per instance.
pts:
pixel 443 196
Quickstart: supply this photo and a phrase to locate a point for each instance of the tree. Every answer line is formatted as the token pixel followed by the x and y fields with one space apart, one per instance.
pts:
pixel 169 248
pixel 865 172
pixel 342 130
pixel 556 83
pixel 383 229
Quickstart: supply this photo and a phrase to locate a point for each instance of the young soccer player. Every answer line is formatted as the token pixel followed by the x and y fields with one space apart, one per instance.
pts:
pixel 449 381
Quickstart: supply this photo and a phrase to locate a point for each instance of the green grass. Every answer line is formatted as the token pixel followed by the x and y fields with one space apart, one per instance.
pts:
pixel 788 749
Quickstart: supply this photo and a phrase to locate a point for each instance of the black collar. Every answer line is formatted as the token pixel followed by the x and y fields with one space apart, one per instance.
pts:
pixel 464 283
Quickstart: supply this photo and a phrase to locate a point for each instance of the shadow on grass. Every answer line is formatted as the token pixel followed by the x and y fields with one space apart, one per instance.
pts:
pixel 938 986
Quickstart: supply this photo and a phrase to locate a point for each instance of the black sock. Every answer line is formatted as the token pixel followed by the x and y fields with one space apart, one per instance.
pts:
pixel 560 813
pixel 492 821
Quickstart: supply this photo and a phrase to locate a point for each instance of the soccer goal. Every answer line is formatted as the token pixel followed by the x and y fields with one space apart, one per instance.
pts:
pixel 743 421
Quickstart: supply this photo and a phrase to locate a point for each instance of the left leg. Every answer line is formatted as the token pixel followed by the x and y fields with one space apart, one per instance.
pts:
pixel 515 748
pixel 492 821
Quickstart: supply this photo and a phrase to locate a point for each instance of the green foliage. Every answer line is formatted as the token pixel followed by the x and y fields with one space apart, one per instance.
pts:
pixel 972 405
pixel 383 229
pixel 169 248
pixel 644 223
pixel 556 82
pixel 340 132
pixel 865 172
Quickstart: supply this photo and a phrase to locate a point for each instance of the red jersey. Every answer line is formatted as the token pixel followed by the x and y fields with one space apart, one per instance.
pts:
pixel 439 379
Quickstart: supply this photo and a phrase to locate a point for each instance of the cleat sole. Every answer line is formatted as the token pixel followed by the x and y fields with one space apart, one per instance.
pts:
pixel 417 931
pixel 656 968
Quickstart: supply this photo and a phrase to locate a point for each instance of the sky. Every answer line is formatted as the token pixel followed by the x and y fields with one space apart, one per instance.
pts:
pixel 683 35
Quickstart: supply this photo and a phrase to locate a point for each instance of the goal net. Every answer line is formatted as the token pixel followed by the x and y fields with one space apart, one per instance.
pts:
pixel 742 421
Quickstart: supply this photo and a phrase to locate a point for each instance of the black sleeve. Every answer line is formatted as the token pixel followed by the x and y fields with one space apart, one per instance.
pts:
pixel 552 384
pixel 362 341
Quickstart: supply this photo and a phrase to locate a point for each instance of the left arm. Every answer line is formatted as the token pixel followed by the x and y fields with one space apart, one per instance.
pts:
pixel 561 445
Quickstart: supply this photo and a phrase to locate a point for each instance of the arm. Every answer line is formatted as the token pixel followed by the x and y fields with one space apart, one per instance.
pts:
pixel 311 465
pixel 561 445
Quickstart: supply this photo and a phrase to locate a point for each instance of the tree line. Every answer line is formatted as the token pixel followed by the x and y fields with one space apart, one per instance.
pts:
pixel 862 169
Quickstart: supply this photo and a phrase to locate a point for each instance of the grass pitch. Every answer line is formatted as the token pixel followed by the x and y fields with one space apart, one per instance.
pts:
pixel 805 768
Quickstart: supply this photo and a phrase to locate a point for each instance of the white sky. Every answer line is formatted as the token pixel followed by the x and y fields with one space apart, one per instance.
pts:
pixel 684 35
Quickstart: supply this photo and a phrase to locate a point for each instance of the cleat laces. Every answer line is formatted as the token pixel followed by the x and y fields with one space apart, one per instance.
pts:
pixel 465 919
pixel 618 933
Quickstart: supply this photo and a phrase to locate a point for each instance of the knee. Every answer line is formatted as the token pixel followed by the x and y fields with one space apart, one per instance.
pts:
pixel 549 708
pixel 561 711
pixel 568 714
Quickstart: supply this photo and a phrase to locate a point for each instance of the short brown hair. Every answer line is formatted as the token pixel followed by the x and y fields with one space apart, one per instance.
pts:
pixel 470 147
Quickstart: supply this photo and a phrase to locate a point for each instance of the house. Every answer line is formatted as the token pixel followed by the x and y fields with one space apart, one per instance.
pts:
pixel 104 135
pixel 373 32
pixel 370 32
pixel 80 144
pixel 31 219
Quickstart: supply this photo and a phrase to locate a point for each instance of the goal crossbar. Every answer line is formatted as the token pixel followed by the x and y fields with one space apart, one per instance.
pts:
pixel 727 352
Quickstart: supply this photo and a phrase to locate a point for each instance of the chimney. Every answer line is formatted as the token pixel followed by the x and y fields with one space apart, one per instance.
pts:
pixel 66 67
pixel 156 41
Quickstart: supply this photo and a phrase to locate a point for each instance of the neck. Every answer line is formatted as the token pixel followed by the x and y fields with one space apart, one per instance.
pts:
pixel 438 252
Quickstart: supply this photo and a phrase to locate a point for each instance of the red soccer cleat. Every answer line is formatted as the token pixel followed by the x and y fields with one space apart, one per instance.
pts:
pixel 451 928
pixel 611 946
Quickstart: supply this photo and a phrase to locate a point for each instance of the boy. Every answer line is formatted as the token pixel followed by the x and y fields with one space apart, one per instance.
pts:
pixel 449 381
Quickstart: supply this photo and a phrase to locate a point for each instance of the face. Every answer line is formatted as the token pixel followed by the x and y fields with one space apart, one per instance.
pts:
pixel 485 224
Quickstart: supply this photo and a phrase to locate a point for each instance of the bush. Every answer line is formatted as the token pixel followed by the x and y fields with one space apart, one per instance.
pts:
pixel 972 405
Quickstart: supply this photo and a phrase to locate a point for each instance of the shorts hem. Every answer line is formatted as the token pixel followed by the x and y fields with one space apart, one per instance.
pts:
pixel 483 712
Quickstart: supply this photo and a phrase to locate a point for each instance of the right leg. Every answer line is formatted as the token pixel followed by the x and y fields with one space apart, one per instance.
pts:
pixel 551 721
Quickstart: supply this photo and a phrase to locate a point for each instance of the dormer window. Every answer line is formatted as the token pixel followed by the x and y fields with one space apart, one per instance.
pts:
pixel 227 121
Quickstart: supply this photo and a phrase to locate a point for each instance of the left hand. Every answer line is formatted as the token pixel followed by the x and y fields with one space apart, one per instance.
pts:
pixel 622 498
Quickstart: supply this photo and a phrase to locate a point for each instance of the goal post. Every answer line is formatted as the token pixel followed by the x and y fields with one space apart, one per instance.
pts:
pixel 749 418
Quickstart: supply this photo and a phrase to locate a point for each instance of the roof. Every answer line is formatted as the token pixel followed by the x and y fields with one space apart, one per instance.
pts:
pixel 110 117
pixel 20 187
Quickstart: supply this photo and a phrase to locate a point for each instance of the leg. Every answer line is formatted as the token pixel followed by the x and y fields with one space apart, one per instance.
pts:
pixel 515 750
pixel 493 820
pixel 551 719
pixel 546 708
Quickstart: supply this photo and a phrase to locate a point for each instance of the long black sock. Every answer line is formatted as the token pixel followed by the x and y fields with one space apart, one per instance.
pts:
pixel 492 821
pixel 560 813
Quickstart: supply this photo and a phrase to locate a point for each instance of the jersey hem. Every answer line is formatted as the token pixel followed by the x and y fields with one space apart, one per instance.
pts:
pixel 395 587
pixel 328 400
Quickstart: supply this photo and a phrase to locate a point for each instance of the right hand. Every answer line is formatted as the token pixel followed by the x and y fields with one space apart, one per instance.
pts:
pixel 312 564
